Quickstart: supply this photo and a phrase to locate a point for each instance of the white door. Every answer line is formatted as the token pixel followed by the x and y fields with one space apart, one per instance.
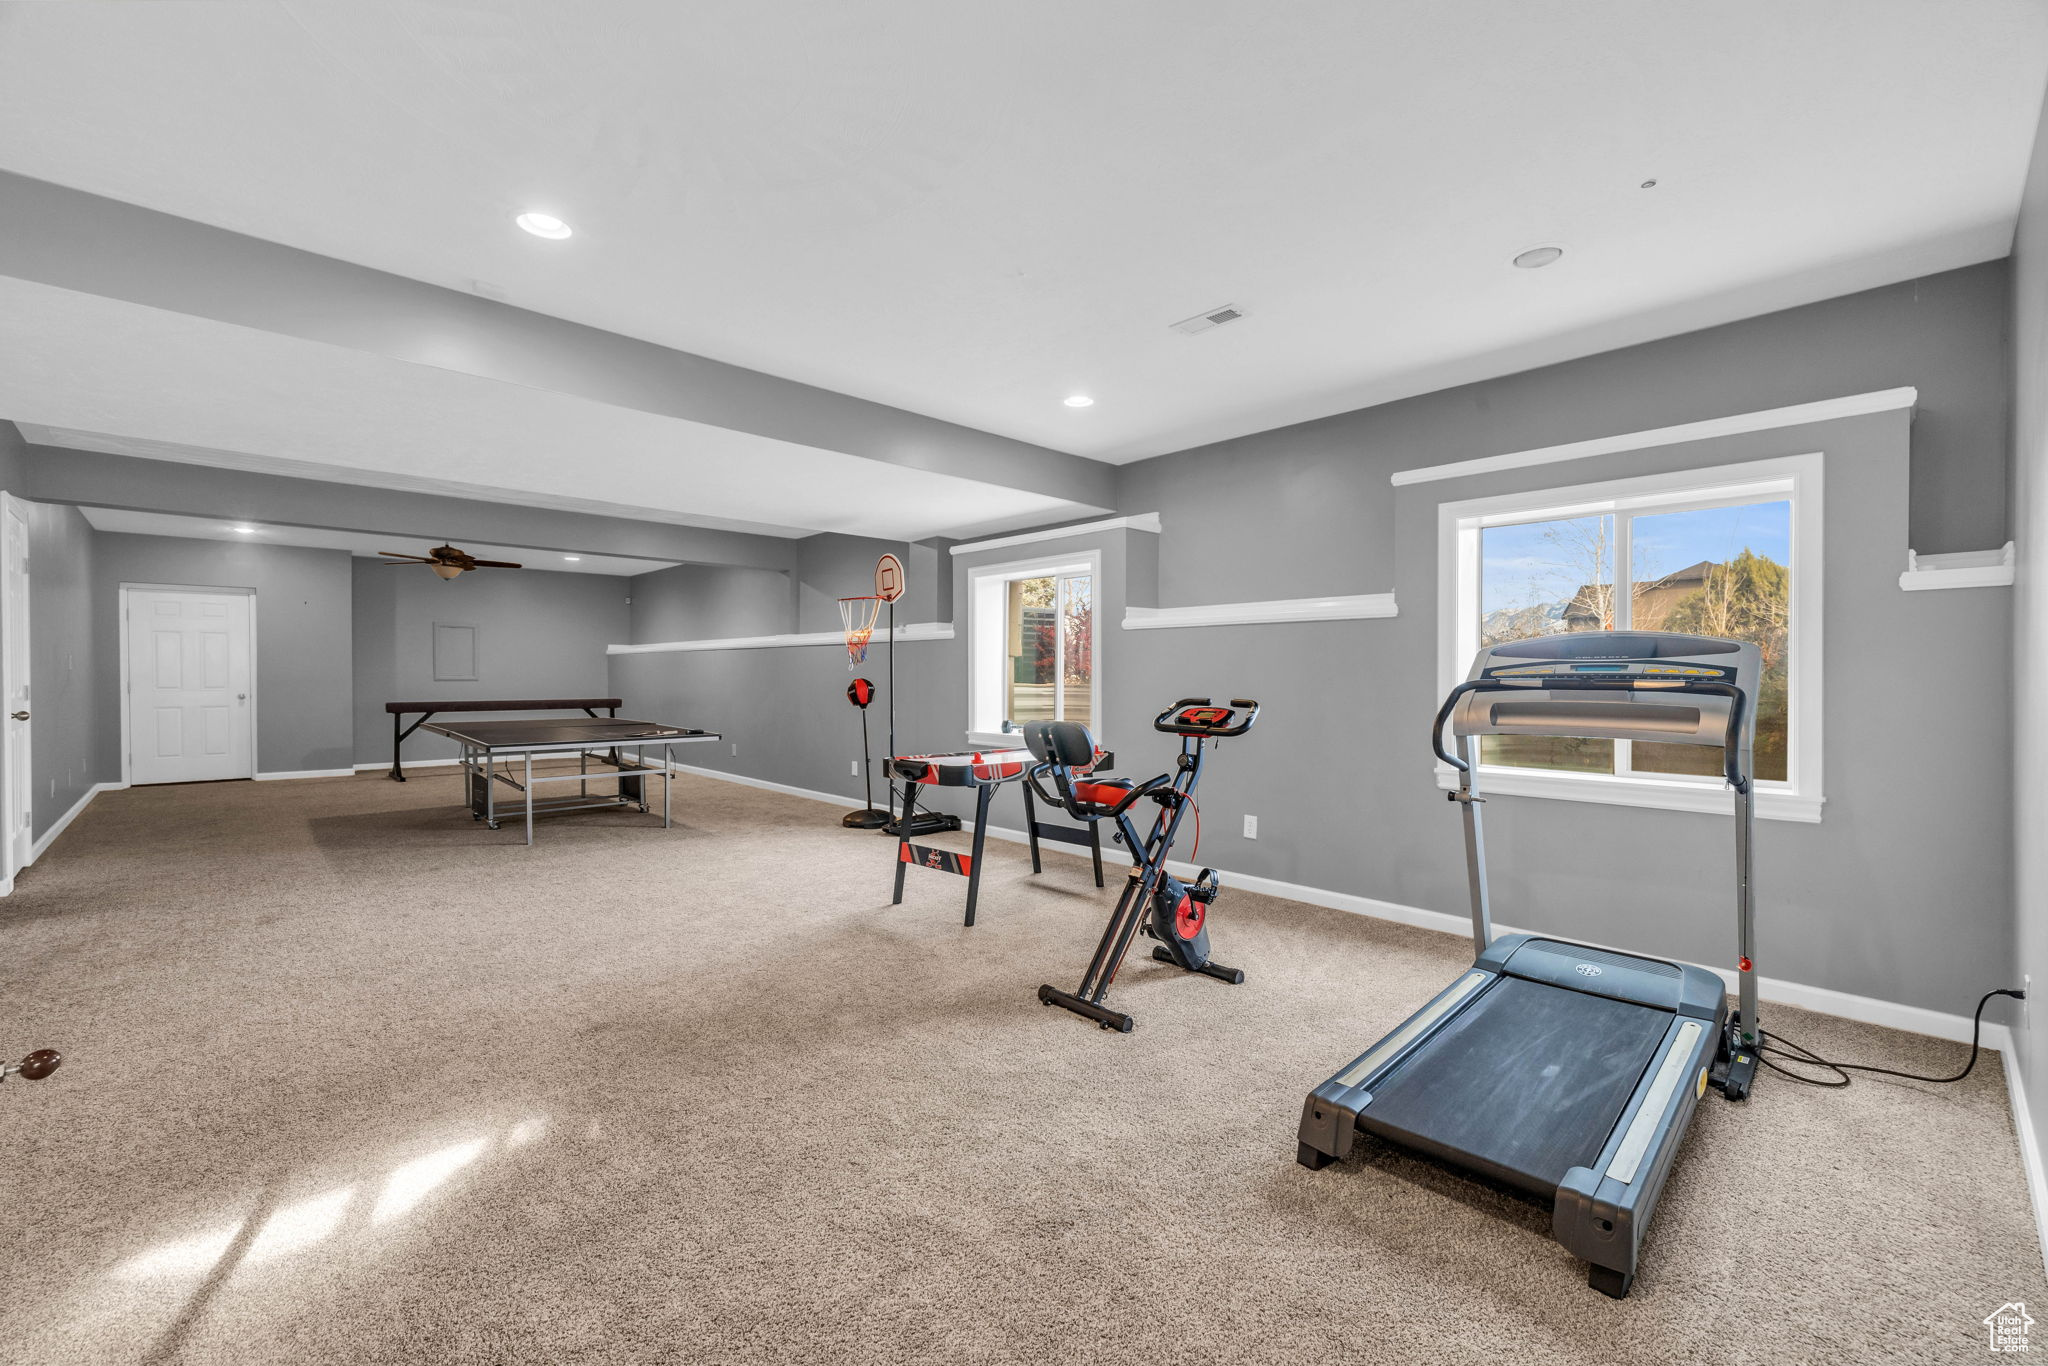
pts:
pixel 189 669
pixel 14 675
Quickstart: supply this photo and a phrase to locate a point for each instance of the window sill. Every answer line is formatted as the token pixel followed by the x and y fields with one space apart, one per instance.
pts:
pixel 991 740
pixel 1771 805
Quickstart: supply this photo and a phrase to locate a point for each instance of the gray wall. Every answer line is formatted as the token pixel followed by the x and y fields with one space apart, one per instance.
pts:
pixel 304 694
pixel 710 602
pixel 1304 510
pixel 539 634
pixel 13 459
pixel 1901 893
pixel 2030 609
pixel 67 758
pixel 786 707
pixel 65 663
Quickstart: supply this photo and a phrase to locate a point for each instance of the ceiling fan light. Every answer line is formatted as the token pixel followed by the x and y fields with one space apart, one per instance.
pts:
pixel 446 571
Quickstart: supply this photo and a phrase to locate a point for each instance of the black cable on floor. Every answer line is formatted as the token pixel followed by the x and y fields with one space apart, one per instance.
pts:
pixel 1800 1056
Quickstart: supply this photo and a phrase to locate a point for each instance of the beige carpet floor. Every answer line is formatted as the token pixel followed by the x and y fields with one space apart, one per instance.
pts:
pixel 350 1079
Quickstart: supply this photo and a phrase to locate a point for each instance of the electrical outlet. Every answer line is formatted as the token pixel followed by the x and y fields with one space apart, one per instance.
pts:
pixel 1251 827
pixel 854 764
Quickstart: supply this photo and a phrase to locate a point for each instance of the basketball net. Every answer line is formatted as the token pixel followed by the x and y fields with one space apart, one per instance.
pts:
pixel 857 616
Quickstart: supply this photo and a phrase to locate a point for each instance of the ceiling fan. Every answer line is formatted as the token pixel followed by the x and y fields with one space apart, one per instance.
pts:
pixel 447 561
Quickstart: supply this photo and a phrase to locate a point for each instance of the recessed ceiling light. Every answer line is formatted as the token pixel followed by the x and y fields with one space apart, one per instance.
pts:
pixel 1079 401
pixel 1535 258
pixel 543 225
pixel 245 530
pixel 572 559
pixel 1649 185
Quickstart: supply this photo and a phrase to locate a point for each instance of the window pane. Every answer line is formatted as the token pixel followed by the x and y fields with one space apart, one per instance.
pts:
pixel 1031 648
pixel 1077 623
pixel 1546 578
pixel 1720 572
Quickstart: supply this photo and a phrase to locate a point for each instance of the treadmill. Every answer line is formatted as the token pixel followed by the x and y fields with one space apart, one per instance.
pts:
pixel 1561 1070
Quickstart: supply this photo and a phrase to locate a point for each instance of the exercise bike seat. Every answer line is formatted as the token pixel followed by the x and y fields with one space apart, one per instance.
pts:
pixel 1065 750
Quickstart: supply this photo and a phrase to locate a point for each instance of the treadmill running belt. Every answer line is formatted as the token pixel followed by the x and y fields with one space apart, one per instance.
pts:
pixel 1525 1084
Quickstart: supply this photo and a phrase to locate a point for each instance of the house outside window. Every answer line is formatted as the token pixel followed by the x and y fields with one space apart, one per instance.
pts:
pixel 1730 552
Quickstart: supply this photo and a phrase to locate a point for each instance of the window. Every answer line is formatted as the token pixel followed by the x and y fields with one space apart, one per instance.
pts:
pixel 1728 552
pixel 1032 629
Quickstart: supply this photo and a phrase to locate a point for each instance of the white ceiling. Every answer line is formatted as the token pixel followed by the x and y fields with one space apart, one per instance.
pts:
pixel 971 211
pixel 362 544
pixel 103 374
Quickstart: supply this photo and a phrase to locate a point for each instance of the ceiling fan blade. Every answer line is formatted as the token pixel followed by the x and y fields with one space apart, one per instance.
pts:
pixel 494 564
pixel 397 558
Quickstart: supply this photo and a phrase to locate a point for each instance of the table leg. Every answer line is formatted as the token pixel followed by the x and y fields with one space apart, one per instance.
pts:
pixel 397 774
pixel 668 780
pixel 980 832
pixel 490 790
pixel 903 836
pixel 529 796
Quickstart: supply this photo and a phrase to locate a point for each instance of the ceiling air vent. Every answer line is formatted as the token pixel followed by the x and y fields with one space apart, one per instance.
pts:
pixel 1214 317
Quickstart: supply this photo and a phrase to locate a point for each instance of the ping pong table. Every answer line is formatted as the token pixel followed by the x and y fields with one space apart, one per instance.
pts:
pixel 494 752
pixel 426 711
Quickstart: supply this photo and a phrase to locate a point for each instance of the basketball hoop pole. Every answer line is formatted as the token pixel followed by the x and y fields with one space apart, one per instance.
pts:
pixel 867 765
pixel 892 708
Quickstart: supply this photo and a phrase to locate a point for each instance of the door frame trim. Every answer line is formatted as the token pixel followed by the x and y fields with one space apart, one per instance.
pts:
pixel 9 812
pixel 212 589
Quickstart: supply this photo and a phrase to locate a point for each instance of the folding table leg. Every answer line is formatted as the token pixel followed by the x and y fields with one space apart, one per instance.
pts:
pixel 983 793
pixel 903 837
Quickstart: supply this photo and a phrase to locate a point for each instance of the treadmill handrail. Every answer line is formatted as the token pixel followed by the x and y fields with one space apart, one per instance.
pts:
pixel 1731 744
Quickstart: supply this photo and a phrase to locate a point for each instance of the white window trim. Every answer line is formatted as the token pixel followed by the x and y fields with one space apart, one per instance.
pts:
pixel 986 620
pixel 1801 796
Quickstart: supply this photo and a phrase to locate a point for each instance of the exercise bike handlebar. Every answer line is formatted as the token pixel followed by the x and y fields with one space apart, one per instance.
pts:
pixel 1198 716
pixel 1731 743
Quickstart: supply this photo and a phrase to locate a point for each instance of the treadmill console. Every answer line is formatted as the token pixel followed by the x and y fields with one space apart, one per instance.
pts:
pixel 1632 669
pixel 1658 686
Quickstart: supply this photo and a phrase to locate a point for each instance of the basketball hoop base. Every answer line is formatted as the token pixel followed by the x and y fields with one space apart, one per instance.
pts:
pixel 867 818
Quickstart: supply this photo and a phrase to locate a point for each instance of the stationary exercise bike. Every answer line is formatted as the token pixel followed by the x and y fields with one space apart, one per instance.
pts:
pixel 1167 909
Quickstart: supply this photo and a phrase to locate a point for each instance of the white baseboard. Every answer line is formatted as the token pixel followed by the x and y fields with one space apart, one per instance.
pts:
pixel 766 786
pixel 306 773
pixel 49 837
pixel 1826 1000
pixel 384 765
pixel 2030 1147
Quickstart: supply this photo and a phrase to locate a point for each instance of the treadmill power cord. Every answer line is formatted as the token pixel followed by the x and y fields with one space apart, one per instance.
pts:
pixel 1806 1057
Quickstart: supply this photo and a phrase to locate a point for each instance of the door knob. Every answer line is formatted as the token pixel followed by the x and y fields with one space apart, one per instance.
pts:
pixel 19 715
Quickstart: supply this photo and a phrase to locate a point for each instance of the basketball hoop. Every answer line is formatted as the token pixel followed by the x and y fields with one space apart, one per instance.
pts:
pixel 857 617
pixel 889 578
